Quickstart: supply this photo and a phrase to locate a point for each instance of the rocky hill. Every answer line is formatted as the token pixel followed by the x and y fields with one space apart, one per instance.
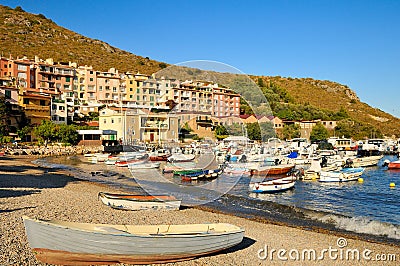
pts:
pixel 25 34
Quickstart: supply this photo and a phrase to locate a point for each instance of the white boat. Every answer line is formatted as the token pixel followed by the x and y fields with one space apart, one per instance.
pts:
pixel 315 169
pixel 68 243
pixel 343 175
pixel 364 161
pixel 139 202
pixel 179 157
pixel 271 186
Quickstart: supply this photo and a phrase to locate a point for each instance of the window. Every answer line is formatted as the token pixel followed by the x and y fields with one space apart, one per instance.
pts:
pixel 138 97
pixel 105 121
pixel 130 89
pixel 100 88
pixel 91 79
pixel 60 118
pixel 137 90
pixel 68 79
pixel 130 96
pixel 131 82
pixel 91 72
pixel 112 120
pixel 152 98
pixel 7 94
pixel 53 107
pixel 26 101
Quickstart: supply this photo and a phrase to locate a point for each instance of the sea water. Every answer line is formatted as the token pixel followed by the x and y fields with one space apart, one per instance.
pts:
pixel 369 209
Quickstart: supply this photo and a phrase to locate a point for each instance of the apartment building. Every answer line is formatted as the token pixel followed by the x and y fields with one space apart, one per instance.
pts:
pixel 109 87
pixel 137 124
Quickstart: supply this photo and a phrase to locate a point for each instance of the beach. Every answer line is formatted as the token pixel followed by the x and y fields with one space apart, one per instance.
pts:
pixel 38 192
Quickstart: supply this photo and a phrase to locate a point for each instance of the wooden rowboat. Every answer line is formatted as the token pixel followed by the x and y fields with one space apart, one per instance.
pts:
pixel 58 242
pixel 273 169
pixel 139 202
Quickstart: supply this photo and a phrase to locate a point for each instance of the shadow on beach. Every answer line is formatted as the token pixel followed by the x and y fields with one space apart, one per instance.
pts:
pixel 16 174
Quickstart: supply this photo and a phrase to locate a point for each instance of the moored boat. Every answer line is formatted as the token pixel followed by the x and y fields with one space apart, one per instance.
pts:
pixel 392 165
pixel 343 175
pixel 139 202
pixel 68 243
pixel 271 186
pixel 273 169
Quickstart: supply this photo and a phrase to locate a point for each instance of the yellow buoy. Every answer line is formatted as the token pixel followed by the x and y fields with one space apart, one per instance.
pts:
pixel 360 180
pixel 392 185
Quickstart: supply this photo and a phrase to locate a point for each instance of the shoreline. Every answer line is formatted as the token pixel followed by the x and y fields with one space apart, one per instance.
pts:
pixel 28 189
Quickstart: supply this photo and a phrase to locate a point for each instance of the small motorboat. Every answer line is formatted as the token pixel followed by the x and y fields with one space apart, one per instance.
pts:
pixel 392 165
pixel 343 175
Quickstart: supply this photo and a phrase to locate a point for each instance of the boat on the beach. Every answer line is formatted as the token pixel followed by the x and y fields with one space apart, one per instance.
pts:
pixel 143 165
pixel 139 202
pixel 206 174
pixel 124 161
pixel 179 157
pixel 69 243
pixel 272 186
pixel 343 175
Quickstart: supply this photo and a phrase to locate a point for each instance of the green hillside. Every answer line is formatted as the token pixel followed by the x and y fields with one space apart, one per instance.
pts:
pixel 25 34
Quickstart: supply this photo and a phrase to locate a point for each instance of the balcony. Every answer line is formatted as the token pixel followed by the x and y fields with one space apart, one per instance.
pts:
pixel 154 125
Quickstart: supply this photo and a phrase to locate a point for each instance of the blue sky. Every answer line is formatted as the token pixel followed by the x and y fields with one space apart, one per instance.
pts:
pixel 356 43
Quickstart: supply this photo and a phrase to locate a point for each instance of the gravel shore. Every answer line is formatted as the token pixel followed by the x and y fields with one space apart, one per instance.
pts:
pixel 26 189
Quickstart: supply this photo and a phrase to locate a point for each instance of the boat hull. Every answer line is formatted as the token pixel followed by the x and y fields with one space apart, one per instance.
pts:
pixel 272 186
pixel 273 170
pixel 351 174
pixel 62 243
pixel 138 202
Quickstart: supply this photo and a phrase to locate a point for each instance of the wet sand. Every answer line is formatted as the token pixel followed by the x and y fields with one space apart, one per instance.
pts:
pixel 26 189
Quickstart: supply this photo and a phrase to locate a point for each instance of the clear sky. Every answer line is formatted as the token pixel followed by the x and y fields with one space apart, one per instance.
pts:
pixel 355 43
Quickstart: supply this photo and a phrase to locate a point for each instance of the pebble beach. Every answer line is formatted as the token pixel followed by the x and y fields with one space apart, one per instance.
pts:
pixel 27 189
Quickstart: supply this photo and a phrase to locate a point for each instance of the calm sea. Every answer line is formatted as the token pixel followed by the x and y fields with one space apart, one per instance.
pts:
pixel 370 210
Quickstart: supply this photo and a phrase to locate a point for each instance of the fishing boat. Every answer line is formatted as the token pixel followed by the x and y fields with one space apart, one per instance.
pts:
pixel 139 202
pixel 171 167
pixel 268 169
pixel 60 242
pixel 187 171
pixel 272 186
pixel 201 174
pixel 343 175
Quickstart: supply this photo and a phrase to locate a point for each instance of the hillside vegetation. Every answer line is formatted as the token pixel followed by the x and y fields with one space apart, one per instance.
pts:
pixel 25 34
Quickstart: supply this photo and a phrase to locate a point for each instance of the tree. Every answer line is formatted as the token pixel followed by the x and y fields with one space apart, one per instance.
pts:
pixel 45 131
pixel 319 133
pixel 4 113
pixel 220 132
pixel 267 131
pixel 291 131
pixel 23 132
pixel 253 131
